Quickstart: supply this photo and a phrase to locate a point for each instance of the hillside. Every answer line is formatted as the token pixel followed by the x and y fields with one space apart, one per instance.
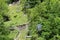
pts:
pixel 29 19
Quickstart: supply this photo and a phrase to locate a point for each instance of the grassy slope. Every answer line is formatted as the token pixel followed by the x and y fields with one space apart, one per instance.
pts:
pixel 15 10
pixel 16 18
pixel 23 33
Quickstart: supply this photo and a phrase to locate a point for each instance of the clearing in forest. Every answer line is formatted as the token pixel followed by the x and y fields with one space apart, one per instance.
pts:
pixel 16 17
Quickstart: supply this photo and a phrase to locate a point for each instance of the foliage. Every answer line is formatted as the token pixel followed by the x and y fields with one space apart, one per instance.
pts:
pixel 47 14
pixel 3 30
pixel 10 16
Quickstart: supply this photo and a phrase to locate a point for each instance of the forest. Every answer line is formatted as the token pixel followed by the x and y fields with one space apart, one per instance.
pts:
pixel 29 19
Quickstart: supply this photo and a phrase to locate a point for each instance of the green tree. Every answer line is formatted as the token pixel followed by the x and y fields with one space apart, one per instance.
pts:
pixel 3 30
pixel 45 13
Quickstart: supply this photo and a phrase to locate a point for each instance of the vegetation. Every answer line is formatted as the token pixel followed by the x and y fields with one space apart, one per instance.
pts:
pixel 43 12
pixel 10 16
pixel 3 30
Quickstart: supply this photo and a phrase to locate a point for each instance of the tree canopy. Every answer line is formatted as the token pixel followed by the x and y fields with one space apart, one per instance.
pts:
pixel 46 13
pixel 43 18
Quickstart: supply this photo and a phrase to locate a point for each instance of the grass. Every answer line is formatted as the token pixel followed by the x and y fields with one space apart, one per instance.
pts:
pixel 23 34
pixel 13 34
pixel 17 17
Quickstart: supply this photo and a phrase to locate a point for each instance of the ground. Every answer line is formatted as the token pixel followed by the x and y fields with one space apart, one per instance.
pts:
pixel 17 17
